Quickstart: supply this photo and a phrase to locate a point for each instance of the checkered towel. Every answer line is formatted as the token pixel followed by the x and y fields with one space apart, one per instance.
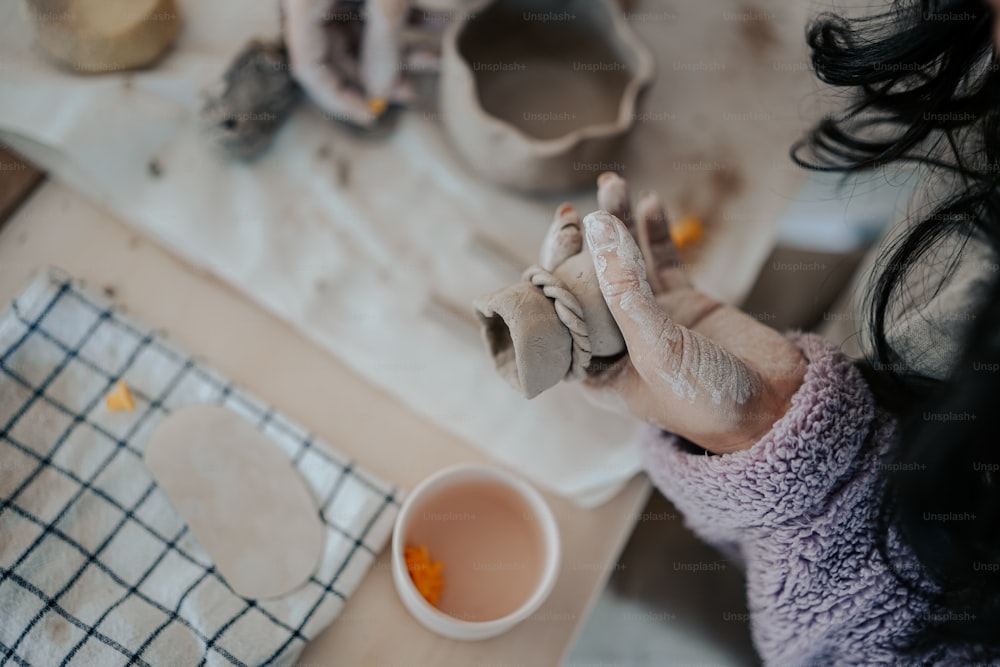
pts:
pixel 96 567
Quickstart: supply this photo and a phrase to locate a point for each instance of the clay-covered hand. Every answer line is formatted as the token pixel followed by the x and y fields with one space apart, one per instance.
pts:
pixel 347 54
pixel 696 367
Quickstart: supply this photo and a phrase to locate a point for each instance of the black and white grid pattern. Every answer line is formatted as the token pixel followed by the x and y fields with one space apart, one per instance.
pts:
pixel 96 567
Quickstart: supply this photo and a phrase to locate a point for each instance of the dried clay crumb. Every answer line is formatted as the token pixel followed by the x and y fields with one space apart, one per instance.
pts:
pixel 687 231
pixel 425 573
pixel 378 105
pixel 120 399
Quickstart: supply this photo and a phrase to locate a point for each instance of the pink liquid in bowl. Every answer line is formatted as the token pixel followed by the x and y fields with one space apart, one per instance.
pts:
pixel 491 545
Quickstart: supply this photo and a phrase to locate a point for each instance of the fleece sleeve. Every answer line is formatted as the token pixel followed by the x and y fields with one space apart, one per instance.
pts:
pixel 793 469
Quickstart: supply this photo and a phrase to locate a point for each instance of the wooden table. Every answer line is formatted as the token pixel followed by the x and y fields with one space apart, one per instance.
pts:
pixel 56 226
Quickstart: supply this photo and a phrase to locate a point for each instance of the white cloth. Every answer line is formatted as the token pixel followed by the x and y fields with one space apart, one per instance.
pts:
pixel 96 567
pixel 376 249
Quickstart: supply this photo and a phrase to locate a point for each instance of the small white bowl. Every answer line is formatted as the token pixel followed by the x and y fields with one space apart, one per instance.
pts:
pixel 449 626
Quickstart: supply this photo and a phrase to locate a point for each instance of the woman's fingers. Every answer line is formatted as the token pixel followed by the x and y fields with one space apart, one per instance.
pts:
pixel 380 48
pixel 649 334
pixel 564 238
pixel 653 233
pixel 618 389
pixel 677 363
pixel 422 60
pixel 613 197
pixel 307 52
pixel 648 224
pixel 333 96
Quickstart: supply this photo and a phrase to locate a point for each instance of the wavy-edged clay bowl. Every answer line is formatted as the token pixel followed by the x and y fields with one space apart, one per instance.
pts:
pixel 539 94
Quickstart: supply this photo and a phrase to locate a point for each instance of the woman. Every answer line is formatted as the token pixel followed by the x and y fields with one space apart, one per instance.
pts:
pixel 862 500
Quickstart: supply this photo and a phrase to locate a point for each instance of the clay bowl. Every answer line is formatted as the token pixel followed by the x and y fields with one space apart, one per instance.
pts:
pixel 538 95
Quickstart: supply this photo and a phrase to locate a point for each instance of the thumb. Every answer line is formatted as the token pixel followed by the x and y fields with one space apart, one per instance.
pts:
pixel 380 47
pixel 621 272
pixel 665 354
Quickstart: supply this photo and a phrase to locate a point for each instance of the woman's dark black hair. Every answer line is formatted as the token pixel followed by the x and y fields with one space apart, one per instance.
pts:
pixel 926 87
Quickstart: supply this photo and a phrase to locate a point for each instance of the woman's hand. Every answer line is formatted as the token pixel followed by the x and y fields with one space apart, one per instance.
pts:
pixel 348 55
pixel 696 367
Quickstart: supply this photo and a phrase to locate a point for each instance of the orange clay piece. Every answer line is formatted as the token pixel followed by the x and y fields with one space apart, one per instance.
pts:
pixel 120 399
pixel 425 573
pixel 687 231
pixel 377 105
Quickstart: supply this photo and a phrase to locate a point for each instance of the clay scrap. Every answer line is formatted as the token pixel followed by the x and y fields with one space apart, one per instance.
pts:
pixel 258 94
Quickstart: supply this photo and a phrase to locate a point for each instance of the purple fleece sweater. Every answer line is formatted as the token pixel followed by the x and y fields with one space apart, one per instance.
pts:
pixel 797 511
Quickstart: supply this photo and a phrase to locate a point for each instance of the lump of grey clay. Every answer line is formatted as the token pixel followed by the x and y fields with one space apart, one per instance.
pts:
pixel 257 95
pixel 550 326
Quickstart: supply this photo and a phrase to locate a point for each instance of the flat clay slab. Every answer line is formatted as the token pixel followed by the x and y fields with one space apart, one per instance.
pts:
pixel 242 499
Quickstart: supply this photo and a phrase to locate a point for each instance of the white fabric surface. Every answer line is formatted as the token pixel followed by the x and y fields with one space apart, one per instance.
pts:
pixel 376 249
pixel 96 566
